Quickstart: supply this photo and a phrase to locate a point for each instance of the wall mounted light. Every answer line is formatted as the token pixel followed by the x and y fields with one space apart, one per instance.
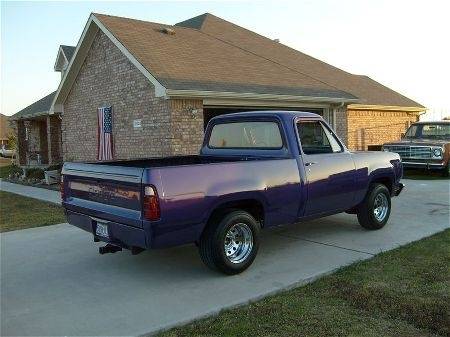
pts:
pixel 194 113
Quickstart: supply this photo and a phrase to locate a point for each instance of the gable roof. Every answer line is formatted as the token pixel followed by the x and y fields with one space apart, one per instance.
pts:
pixel 63 58
pixel 38 108
pixel 190 59
pixel 369 91
pixel 68 51
pixel 206 56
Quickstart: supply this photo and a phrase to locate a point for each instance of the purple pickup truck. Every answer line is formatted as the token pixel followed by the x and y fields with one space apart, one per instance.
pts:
pixel 255 170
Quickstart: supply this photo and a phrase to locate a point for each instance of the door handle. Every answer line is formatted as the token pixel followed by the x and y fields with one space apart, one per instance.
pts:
pixel 310 163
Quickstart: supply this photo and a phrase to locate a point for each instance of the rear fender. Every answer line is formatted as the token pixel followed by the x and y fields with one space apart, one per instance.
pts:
pixel 232 200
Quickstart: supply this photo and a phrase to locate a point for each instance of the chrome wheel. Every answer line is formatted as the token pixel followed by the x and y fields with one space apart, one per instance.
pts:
pixel 238 243
pixel 381 207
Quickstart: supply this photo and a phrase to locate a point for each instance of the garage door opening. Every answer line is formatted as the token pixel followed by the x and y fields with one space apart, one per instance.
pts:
pixel 210 111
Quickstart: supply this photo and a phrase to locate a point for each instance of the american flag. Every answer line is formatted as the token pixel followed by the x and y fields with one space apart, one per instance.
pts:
pixel 105 140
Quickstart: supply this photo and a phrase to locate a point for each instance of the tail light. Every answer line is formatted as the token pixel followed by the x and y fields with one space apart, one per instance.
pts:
pixel 151 208
pixel 61 188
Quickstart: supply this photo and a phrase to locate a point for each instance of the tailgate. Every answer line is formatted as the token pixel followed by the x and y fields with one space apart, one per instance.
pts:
pixel 104 191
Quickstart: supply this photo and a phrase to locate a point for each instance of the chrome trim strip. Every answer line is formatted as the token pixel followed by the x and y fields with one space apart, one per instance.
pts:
pixel 103 175
pixel 424 164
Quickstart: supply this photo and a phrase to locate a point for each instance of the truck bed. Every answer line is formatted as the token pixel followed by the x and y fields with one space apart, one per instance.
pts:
pixel 179 161
pixel 188 188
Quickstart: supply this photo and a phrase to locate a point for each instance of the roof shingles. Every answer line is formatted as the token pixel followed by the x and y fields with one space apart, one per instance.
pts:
pixel 38 108
pixel 191 56
pixel 211 54
pixel 363 87
pixel 68 51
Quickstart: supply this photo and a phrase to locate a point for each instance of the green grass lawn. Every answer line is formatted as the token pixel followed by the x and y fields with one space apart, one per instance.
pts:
pixel 17 212
pixel 404 292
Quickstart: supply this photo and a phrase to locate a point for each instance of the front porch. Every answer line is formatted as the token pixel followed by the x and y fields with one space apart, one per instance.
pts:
pixel 39 141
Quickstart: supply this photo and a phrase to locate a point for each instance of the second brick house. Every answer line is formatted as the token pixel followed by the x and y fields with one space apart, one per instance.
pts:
pixel 165 82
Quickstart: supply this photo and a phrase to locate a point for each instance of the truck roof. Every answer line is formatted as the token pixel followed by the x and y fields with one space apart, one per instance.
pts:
pixel 266 113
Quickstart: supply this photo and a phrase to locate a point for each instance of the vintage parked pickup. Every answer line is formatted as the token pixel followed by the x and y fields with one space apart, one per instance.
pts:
pixel 255 170
pixel 426 145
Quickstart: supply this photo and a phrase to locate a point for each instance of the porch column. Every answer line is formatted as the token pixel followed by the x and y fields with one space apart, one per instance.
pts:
pixel 43 142
pixel 49 141
pixel 21 143
pixel 54 140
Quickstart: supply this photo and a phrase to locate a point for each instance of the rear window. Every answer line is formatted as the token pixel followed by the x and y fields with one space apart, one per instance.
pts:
pixel 249 135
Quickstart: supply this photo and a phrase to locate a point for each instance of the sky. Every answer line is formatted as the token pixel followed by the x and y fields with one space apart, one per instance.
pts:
pixel 402 44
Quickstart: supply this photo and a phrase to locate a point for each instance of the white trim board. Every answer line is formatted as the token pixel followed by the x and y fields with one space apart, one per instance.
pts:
pixel 223 96
pixel 243 103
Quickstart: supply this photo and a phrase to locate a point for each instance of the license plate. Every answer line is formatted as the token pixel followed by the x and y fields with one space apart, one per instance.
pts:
pixel 102 230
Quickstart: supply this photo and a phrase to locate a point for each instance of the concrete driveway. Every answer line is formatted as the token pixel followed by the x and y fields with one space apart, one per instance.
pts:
pixel 53 282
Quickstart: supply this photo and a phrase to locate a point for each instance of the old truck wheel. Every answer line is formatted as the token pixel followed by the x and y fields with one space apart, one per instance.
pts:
pixel 230 243
pixel 374 211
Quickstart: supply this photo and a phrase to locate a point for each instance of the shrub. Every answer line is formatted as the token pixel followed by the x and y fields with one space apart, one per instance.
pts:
pixel 55 167
pixel 10 170
pixel 35 173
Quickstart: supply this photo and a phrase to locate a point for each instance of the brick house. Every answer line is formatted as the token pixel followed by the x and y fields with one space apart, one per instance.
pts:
pixel 165 83
pixel 38 126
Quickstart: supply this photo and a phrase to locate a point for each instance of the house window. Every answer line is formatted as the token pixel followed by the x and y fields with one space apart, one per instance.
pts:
pixel 27 133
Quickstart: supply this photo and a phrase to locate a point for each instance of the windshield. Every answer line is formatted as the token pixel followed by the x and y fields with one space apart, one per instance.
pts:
pixel 435 131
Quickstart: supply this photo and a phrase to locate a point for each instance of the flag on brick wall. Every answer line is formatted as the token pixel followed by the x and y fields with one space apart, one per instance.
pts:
pixel 105 139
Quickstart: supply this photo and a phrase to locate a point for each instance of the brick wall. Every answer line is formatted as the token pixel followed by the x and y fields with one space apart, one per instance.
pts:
pixel 35 144
pixel 340 113
pixel 107 78
pixel 375 127
pixel 186 126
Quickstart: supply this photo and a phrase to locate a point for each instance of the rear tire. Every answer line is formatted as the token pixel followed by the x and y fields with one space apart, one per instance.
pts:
pixel 374 211
pixel 230 242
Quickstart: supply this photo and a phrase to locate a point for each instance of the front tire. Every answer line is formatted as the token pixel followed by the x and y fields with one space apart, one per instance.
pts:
pixel 230 243
pixel 374 211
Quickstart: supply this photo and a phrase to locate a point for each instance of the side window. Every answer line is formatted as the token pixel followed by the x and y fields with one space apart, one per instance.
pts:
pixel 315 138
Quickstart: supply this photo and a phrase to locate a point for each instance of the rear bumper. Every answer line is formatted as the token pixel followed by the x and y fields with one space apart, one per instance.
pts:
pixel 120 235
pixel 398 188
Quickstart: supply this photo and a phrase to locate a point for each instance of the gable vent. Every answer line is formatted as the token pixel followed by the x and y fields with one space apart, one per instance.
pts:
pixel 168 31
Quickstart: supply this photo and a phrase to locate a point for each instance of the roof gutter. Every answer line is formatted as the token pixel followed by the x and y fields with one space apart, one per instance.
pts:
pixel 200 94
pixel 386 107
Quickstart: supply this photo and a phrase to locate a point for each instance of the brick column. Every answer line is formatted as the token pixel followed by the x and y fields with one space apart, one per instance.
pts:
pixel 341 122
pixel 54 139
pixel 43 142
pixel 21 143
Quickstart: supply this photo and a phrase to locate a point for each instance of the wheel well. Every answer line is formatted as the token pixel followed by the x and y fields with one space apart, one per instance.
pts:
pixel 252 206
pixel 385 181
